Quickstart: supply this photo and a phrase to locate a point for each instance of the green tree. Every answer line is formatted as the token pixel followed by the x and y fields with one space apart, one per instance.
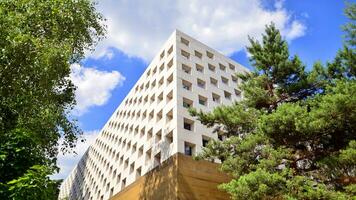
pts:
pixel 39 40
pixel 293 136
pixel 34 184
pixel 278 77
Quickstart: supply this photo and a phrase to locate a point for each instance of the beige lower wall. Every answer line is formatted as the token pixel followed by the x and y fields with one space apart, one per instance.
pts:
pixel 199 179
pixel 180 177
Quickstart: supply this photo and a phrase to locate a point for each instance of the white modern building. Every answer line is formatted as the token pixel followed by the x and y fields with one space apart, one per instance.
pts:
pixel 152 123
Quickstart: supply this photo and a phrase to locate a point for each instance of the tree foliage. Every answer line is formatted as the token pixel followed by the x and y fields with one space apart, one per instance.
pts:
pixel 39 40
pixel 293 135
pixel 278 77
pixel 34 184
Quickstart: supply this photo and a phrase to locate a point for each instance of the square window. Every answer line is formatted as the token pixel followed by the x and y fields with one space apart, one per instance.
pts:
pixel 201 83
pixel 169 137
pixel 232 67
pixel 203 100
pixel 160 82
pixel 169 96
pixel 186 69
pixel 121 160
pixel 117 157
pixel 185 54
pixel 198 54
pixel 170 79
pixel 158 136
pixel 199 68
pixel 188 124
pixel 140 151
pixel 157 159
pixel 216 98
pixel 187 103
pixel 211 67
pixel 184 41
pixel 227 95
pixel 189 148
pixel 142 132
pixel 225 80
pixel 152 99
pixel 186 85
pixel 151 115
pixel 160 97
pixel 132 167
pixel 237 92
pixel 159 116
pixel 134 147
pixel 210 55
pixel 162 55
pixel 126 163
pixel 169 116
pixel 170 63
pixel 222 67
pixel 170 50
pixel 149 134
pixel 128 146
pixel 214 82
pixel 161 68
pixel 140 100
pixel 234 78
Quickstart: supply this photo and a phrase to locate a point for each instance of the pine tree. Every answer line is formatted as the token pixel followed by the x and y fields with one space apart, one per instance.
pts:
pixel 293 136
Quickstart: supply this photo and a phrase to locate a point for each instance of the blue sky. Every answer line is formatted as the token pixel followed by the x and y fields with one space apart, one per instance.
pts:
pixel 137 29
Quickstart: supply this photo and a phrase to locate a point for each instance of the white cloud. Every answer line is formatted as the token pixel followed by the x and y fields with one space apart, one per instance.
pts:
pixel 67 162
pixel 297 29
pixel 93 86
pixel 139 28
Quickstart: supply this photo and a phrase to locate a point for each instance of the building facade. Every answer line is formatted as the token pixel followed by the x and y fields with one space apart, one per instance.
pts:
pixel 152 123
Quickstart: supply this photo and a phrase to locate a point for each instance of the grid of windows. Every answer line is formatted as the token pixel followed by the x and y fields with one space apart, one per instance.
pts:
pixel 121 136
pixel 145 125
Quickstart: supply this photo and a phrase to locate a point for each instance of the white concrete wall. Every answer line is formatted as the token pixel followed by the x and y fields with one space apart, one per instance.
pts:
pixel 231 68
pixel 124 142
